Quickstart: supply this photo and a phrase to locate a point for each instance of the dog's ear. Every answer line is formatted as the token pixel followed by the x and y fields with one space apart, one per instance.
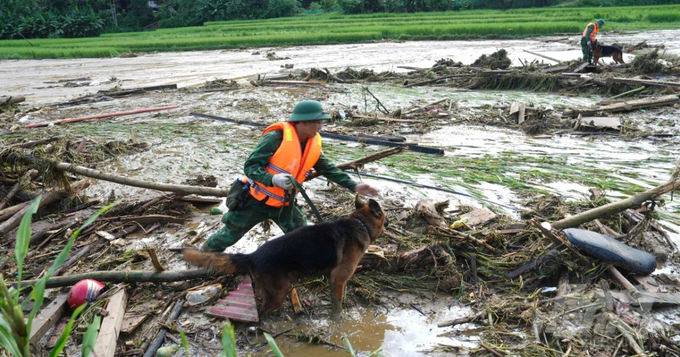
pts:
pixel 358 203
pixel 375 208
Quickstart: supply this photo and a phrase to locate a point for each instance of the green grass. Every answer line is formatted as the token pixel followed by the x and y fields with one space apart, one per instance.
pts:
pixel 334 28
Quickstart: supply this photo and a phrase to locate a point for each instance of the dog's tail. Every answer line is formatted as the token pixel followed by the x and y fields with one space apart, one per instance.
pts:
pixel 225 263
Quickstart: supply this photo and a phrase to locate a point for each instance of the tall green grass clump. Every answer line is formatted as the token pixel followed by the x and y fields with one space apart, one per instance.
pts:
pixel 15 328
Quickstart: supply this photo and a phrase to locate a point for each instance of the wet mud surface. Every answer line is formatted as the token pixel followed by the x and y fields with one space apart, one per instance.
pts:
pixel 180 146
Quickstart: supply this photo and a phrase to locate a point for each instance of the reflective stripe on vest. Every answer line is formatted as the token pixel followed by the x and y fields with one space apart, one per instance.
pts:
pixel 288 158
pixel 592 34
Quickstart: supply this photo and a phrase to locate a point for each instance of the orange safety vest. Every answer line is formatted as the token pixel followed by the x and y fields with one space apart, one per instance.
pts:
pixel 592 34
pixel 288 158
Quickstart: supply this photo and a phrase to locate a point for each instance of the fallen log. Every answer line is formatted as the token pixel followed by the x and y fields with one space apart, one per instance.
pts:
pixel 180 189
pixel 626 106
pixel 647 82
pixel 615 207
pixel 13 99
pixel 125 276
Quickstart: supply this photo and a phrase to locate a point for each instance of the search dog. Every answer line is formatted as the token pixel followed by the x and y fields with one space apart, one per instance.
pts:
pixel 334 247
pixel 600 51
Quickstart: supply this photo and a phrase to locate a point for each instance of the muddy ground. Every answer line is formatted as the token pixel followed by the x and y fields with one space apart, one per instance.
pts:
pixel 394 309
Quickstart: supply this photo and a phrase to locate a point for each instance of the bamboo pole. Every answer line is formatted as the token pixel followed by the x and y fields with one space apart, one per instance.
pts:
pixel 615 207
pixel 73 120
pixel 125 276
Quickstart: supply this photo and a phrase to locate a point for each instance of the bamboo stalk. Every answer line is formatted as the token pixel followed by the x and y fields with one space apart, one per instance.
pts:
pixel 73 120
pixel 615 207
pixel 125 276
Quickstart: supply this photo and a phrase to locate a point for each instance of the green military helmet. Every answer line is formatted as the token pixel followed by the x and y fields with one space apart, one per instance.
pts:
pixel 600 22
pixel 308 110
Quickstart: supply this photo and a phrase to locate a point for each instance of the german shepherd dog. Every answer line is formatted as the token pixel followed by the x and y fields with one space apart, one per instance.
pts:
pixel 334 247
pixel 600 51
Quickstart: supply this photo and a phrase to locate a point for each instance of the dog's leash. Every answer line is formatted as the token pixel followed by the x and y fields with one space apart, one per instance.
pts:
pixel 291 201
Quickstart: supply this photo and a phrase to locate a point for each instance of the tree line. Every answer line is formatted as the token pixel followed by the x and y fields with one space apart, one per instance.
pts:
pixel 88 18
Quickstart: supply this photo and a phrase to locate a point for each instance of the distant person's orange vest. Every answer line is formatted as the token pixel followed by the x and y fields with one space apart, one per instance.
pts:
pixel 592 34
pixel 288 158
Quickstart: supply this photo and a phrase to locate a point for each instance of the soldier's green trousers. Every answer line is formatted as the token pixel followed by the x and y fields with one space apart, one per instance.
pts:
pixel 237 223
pixel 587 55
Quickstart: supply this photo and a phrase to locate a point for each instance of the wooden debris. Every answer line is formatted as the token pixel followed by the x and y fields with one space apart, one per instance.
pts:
pixel 131 321
pixel 520 113
pixel 615 207
pixel 543 56
pixel 626 106
pixel 646 82
pixel 48 317
pixel 295 300
pixel 25 180
pixel 292 83
pixel 554 69
pixel 427 210
pixel 599 122
pixel 581 67
pixel 12 99
pixel 125 276
pixel 479 216
pixel 111 325
pixel 154 259
pixel 48 199
pixel 385 118
pixel 99 116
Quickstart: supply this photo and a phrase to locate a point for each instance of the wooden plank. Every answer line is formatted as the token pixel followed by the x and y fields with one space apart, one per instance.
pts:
pixel 554 69
pixel 131 321
pixel 600 122
pixel 514 108
pixel 650 284
pixel 520 115
pixel 479 216
pixel 198 199
pixel 647 82
pixel 108 334
pixel 48 317
pixel 581 67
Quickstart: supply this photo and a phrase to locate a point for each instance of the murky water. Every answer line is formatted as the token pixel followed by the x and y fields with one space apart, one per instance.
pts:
pixel 183 146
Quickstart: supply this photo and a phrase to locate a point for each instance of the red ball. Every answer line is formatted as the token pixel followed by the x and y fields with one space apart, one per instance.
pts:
pixel 84 291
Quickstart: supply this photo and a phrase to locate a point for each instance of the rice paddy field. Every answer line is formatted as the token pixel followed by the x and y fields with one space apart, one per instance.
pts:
pixel 335 28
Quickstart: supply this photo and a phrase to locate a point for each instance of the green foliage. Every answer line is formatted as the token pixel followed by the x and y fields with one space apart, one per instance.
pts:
pixel 273 345
pixel 90 337
pixel 331 28
pixel 229 340
pixel 14 326
pixel 282 8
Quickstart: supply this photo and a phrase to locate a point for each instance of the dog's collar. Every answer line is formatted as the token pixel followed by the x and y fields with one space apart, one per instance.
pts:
pixel 368 230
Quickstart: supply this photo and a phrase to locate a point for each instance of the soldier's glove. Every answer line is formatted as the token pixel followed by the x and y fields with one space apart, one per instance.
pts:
pixel 283 181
